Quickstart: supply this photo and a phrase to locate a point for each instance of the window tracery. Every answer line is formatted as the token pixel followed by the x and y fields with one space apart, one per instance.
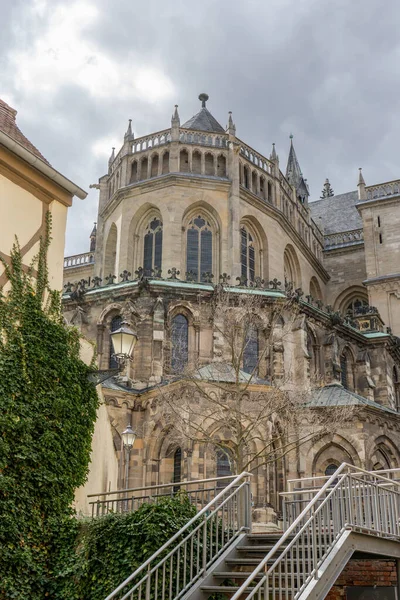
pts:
pixel 251 350
pixel 179 343
pixel 199 249
pixel 152 250
pixel 247 255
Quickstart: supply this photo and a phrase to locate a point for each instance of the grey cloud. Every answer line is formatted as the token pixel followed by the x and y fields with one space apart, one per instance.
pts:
pixel 326 71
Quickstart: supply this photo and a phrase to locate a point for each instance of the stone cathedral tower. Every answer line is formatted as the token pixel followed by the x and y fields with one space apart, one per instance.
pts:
pixel 193 207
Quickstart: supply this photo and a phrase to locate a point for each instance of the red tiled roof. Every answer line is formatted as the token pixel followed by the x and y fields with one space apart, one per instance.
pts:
pixel 8 126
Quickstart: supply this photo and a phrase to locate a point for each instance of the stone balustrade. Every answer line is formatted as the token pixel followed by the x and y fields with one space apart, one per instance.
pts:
pixel 188 136
pixel 151 141
pixel 391 188
pixel 255 158
pixel 78 260
pixel 343 238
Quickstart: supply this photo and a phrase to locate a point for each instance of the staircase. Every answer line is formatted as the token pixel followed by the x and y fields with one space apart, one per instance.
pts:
pixel 235 568
pixel 215 555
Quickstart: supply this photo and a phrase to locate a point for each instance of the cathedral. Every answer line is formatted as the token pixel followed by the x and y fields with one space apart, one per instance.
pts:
pixel 192 210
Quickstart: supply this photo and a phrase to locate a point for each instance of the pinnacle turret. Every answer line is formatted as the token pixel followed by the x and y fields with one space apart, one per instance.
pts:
pixel 129 134
pixel 295 176
pixel 93 238
pixel 327 191
pixel 175 120
pixel 273 155
pixel 231 129
pixel 112 157
pixel 362 194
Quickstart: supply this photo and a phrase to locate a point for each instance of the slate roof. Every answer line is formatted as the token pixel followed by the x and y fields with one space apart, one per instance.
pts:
pixel 337 213
pixel 204 121
pixel 9 126
pixel 336 395
pixel 225 373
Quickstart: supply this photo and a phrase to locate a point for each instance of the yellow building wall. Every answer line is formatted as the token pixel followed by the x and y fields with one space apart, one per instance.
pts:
pixel 21 217
pixel 103 468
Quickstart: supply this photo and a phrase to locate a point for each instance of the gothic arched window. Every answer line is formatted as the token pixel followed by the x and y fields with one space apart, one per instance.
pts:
pixel 152 253
pixel 330 470
pixel 224 468
pixel 114 325
pixel 179 343
pixel 199 257
pixel 396 385
pixel 177 465
pixel 344 371
pixel 250 352
pixel 247 255
pixel 355 305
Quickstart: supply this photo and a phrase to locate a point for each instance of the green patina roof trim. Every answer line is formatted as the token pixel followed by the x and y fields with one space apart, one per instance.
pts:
pixel 335 394
pixel 182 285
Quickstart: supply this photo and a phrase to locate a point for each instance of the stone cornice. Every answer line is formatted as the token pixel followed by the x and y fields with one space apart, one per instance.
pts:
pixel 344 249
pixel 382 279
pixel 163 181
pixel 386 200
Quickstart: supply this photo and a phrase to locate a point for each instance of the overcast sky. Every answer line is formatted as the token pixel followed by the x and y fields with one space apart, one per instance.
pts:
pixel 325 70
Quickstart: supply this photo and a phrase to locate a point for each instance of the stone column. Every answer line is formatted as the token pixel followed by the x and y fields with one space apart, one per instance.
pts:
pixel 233 266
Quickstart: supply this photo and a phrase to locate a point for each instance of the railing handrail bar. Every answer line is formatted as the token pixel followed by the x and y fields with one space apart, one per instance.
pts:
pixel 177 534
pixel 327 476
pixel 163 485
pixel 216 510
pixel 296 522
pixel 310 490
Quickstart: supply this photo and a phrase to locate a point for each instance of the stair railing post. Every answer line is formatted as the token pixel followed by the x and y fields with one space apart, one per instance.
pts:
pixel 205 545
pixel 314 543
pixel 148 583
pixel 248 517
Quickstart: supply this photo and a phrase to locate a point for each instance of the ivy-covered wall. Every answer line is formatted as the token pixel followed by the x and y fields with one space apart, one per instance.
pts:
pixel 95 556
pixel 47 414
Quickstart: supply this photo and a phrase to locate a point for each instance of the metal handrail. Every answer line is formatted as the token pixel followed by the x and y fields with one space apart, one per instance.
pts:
pixel 315 531
pixel 210 531
pixel 326 477
pixel 199 493
pixel 163 485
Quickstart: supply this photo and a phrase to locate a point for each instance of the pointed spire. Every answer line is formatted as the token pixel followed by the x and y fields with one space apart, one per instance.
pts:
pixel 129 135
pixel 273 155
pixel 362 194
pixel 294 175
pixel 93 238
pixel 231 129
pixel 175 117
pixel 112 157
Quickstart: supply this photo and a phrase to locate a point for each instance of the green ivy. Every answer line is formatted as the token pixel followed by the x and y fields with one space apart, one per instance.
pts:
pixel 97 555
pixel 47 415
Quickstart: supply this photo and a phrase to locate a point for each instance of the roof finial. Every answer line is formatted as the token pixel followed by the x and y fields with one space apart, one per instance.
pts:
pixel 203 98
pixel 112 157
pixel 273 155
pixel 360 177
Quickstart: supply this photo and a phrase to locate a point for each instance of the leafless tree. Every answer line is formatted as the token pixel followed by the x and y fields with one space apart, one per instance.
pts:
pixel 244 403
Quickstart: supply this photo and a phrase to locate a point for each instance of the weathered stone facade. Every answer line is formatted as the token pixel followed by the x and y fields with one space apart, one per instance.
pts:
pixel 190 207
